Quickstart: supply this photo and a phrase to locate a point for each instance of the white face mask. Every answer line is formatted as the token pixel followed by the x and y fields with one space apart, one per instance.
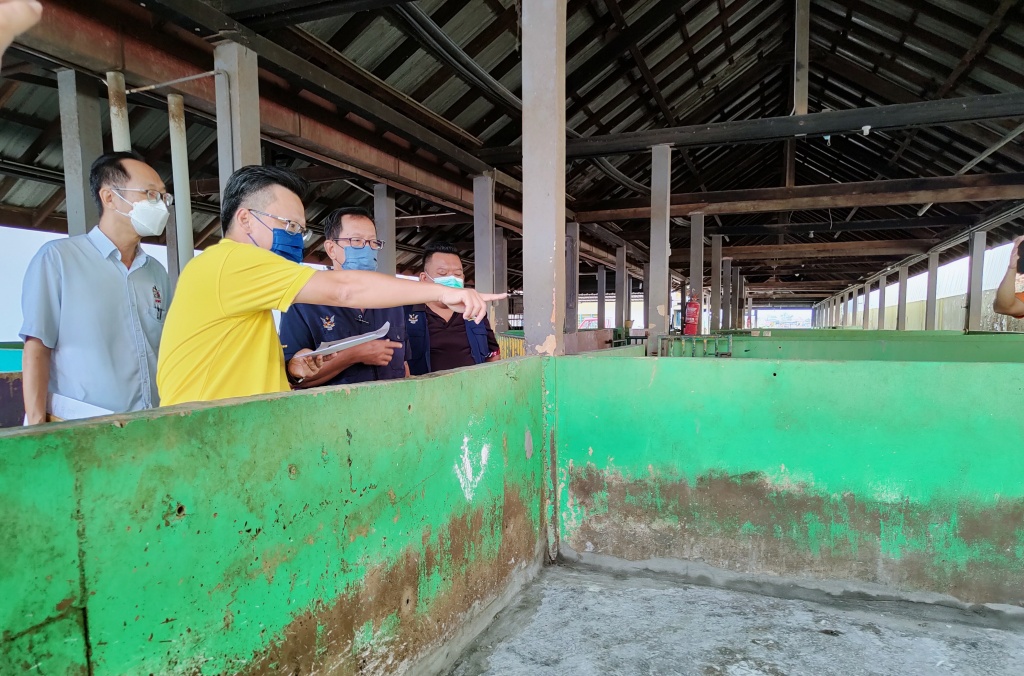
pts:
pixel 148 219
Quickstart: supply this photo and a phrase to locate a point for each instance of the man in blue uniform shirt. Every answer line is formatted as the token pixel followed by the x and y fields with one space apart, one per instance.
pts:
pixel 351 243
pixel 437 338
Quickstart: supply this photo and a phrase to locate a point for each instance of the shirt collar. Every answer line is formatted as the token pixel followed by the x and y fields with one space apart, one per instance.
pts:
pixel 106 247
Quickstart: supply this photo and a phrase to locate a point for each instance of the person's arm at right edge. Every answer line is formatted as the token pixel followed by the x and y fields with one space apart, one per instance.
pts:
pixel 1006 302
pixel 372 290
pixel 35 379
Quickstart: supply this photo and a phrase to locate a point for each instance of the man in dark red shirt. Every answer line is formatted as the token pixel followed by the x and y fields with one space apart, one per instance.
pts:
pixel 437 338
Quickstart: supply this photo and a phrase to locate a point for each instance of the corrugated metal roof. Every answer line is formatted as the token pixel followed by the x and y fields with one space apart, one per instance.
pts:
pixel 712 60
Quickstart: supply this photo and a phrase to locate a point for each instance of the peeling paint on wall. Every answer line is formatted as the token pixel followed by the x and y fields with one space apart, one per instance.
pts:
pixel 777 467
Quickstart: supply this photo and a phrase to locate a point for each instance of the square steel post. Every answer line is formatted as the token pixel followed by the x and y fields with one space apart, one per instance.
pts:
pixel 866 317
pixel 975 275
pixel 384 219
pixel 602 294
pixel 572 277
pixel 238 108
pixel 120 133
pixel 726 293
pixel 856 310
pixel 483 233
pixel 543 87
pixel 931 305
pixel 901 307
pixel 737 296
pixel 620 287
pixel 500 279
pixel 882 282
pixel 697 264
pixel 657 308
pixel 716 282
pixel 180 238
pixel 646 283
pixel 82 142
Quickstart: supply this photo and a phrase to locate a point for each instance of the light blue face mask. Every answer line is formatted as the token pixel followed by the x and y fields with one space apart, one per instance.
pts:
pixel 360 259
pixel 451 281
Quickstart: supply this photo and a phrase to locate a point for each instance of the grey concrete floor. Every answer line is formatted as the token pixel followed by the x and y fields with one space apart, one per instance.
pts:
pixel 577 621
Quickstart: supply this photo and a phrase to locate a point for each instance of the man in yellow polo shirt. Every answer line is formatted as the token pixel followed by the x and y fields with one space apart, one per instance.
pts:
pixel 219 339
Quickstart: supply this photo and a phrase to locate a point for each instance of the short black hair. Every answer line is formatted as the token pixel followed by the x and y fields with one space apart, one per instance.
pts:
pixel 438 248
pixel 108 170
pixel 332 224
pixel 249 181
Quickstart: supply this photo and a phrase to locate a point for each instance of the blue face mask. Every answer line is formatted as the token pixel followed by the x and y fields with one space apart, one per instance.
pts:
pixel 286 245
pixel 451 281
pixel 360 259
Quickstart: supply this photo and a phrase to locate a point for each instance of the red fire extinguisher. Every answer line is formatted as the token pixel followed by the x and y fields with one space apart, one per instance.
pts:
pixel 691 316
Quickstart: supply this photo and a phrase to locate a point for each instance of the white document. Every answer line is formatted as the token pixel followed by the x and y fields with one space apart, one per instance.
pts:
pixel 345 343
pixel 67 408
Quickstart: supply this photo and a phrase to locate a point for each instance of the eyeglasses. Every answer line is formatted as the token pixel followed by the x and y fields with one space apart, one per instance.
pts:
pixel 290 226
pixel 359 242
pixel 154 196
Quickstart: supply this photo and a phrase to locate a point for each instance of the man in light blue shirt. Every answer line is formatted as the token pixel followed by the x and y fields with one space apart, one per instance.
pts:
pixel 94 305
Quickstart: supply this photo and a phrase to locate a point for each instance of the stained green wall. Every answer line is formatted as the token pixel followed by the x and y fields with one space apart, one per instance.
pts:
pixel 343 528
pixel 851 344
pixel 320 530
pixel 907 474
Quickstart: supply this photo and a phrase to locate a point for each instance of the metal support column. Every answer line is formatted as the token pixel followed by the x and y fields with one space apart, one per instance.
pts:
pixel 697 264
pixel 180 238
pixel 483 232
pixel 620 287
pixel 629 298
pixel 544 176
pixel 975 274
pixel 238 109
pixel 657 309
pixel 737 296
pixel 716 282
pixel 646 283
pixel 602 294
pixel 120 133
pixel 901 307
pixel 866 318
pixel 814 316
pixel 500 279
pixel 882 282
pixel 572 277
pixel 384 219
pixel 82 140
pixel 856 310
pixel 726 293
pixel 931 304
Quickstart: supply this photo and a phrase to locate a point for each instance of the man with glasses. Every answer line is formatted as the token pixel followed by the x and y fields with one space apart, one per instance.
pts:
pixel 350 240
pixel 94 305
pixel 220 340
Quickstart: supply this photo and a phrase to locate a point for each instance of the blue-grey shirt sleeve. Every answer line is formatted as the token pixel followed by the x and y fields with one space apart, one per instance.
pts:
pixel 295 333
pixel 41 296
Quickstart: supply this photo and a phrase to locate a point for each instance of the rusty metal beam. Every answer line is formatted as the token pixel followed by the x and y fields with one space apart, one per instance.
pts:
pixel 896 116
pixel 820 250
pixel 968 188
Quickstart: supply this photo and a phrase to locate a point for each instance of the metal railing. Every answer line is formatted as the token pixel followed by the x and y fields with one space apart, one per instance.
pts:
pixel 695 346
pixel 511 345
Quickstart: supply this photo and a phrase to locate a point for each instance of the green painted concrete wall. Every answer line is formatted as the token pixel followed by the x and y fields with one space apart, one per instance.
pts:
pixel 345 530
pixel 851 344
pixel 904 473
pixel 355 530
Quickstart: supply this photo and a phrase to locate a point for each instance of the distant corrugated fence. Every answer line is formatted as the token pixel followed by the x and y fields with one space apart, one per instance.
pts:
pixel 511 345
